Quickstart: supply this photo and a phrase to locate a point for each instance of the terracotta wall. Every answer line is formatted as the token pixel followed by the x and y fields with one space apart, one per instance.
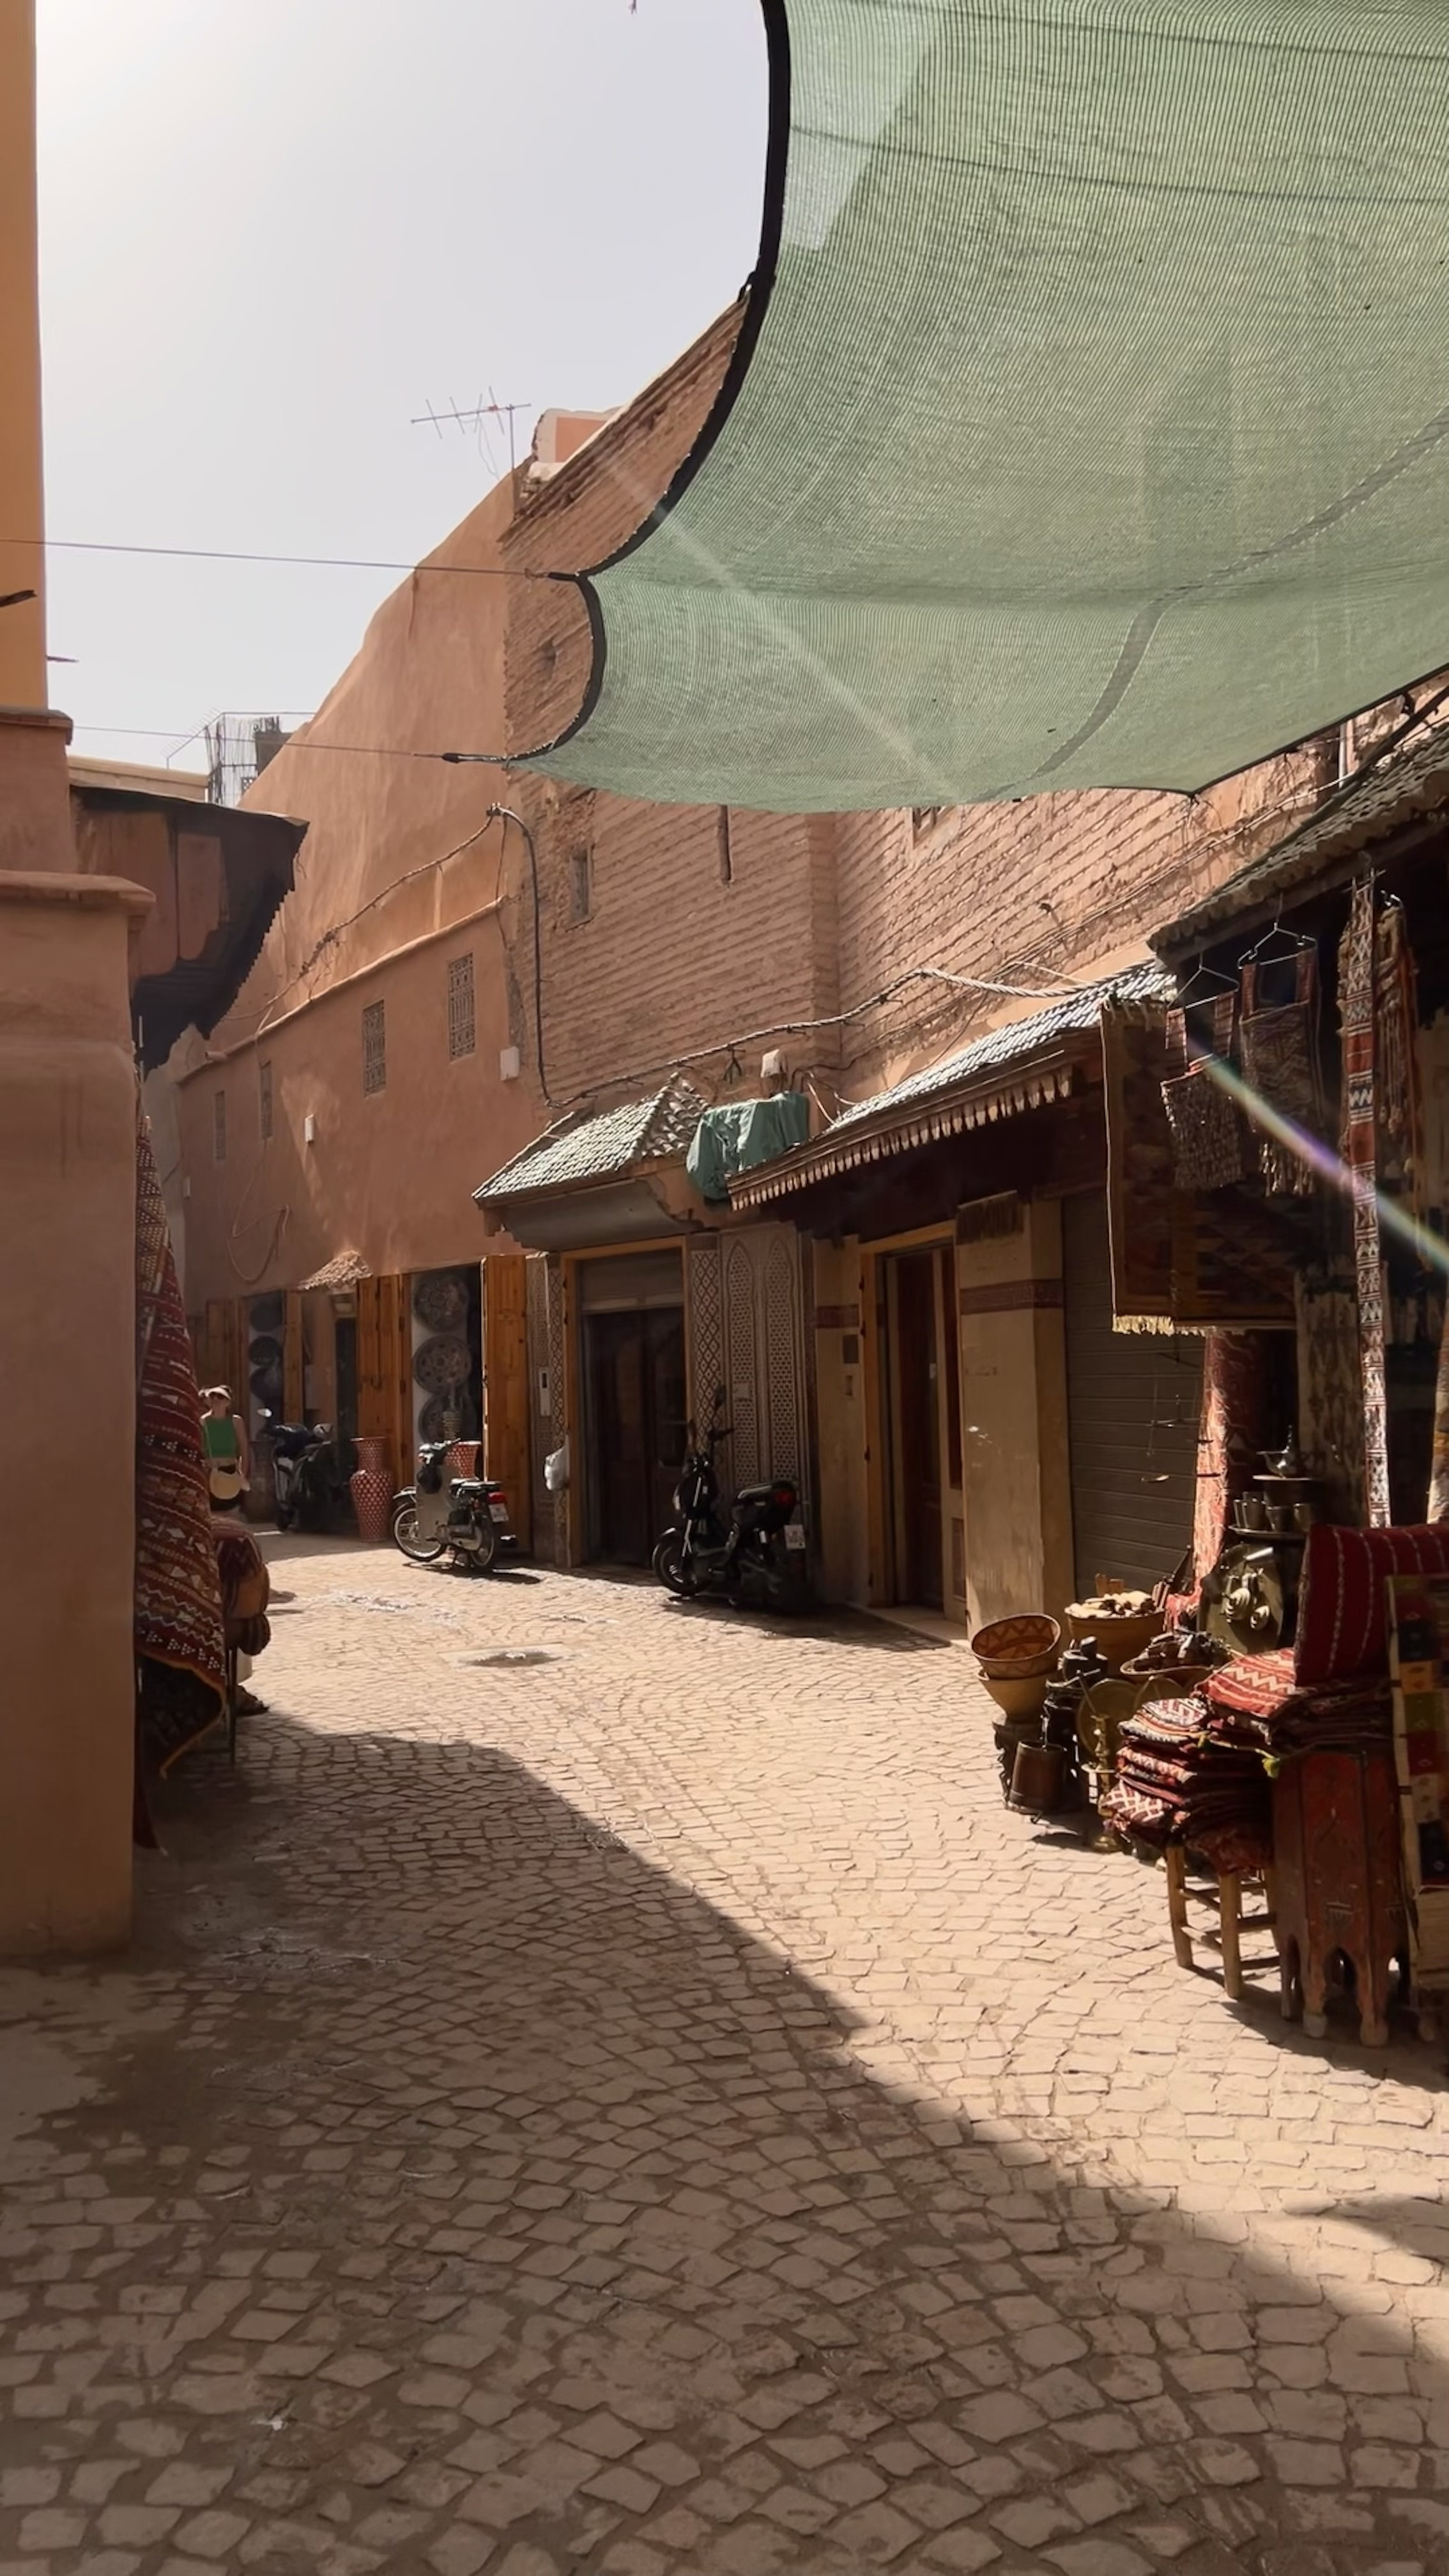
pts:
pixel 379 909
pixel 22 560
pixel 388 1173
pixel 67 1318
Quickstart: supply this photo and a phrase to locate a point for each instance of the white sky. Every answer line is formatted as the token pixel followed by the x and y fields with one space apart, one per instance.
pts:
pixel 272 230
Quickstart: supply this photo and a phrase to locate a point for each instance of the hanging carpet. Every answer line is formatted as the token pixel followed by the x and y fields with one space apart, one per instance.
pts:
pixel 179 1643
pixel 1089 420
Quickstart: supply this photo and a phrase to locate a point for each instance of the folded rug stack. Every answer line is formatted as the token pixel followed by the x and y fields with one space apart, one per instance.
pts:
pixel 1184 1778
pixel 1258 1698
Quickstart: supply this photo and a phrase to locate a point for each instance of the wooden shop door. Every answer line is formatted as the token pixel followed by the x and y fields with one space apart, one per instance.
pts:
pixel 506 1443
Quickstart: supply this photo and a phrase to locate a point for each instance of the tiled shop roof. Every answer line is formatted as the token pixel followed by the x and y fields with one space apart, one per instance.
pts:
pixel 580 1150
pixel 1008 1044
pixel 343 1271
pixel 1391 799
pixel 1016 1066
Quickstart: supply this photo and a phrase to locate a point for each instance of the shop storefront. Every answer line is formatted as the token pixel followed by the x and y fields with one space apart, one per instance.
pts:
pixel 963 1343
pixel 1275 1716
pixel 642 1298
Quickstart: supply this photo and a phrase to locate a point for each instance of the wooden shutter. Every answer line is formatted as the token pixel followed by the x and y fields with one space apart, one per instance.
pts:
pixel 400 1356
pixel 383 1370
pixel 220 1356
pixel 294 1382
pixel 1133 1407
pixel 373 1409
pixel 505 1381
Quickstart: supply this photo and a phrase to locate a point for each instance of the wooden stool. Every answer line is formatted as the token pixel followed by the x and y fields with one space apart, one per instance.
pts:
pixel 1223 1896
pixel 1336 1843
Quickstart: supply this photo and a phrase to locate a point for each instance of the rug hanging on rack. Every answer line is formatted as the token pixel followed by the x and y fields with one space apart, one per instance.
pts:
pixel 179 1644
pixel 1439 1471
pixel 1234 1429
pixel 1279 1046
pixel 1400 1107
pixel 1356 1016
pixel 1207 1134
pixel 1330 1389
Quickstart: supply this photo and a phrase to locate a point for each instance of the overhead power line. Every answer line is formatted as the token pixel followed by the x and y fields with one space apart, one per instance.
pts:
pixel 318 563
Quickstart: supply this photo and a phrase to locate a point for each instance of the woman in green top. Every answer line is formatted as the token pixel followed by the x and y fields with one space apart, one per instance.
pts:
pixel 223 1436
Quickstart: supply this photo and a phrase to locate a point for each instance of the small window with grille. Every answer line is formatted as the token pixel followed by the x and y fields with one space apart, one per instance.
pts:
pixel 581 889
pixel 218 1126
pixel 374 1047
pixel 726 848
pixel 264 1084
pixel 462 1026
pixel 924 819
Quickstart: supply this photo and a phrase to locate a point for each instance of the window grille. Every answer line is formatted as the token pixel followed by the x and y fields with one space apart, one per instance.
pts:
pixel 583 884
pixel 374 1047
pixel 462 1024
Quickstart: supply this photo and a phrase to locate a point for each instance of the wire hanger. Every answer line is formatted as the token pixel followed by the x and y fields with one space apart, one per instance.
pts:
pixel 1202 973
pixel 1297 941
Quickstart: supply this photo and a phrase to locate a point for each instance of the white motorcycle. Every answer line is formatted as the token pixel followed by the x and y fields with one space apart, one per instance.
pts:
pixel 466 1517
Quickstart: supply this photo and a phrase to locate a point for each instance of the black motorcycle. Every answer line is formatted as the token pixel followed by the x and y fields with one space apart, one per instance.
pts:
pixel 757 1555
pixel 310 1467
pixel 287 1444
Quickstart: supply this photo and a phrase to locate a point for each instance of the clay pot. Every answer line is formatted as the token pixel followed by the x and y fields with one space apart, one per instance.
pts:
pixel 1019 1695
pixel 371 1489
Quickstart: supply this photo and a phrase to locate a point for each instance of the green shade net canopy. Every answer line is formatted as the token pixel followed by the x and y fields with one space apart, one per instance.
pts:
pixel 1089 422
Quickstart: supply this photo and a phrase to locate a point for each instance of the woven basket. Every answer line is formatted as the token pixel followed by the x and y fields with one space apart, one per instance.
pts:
pixel 1016 1649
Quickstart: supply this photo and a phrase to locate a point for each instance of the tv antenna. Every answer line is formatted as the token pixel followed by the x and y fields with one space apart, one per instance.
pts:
pixel 475 417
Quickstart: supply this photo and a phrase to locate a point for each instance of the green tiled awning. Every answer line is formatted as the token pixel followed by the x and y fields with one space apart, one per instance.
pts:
pixel 1089 424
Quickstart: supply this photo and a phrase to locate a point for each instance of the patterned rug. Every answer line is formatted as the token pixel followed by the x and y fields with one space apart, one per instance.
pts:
pixel 1356 961
pixel 1234 1429
pixel 1207 1128
pixel 1182 1778
pixel 1279 1043
pixel 180 1654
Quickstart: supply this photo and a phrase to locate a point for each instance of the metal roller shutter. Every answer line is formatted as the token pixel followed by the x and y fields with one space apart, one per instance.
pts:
pixel 1134 1403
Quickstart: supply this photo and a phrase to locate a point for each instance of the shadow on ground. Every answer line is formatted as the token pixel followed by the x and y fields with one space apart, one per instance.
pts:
pixel 461 2192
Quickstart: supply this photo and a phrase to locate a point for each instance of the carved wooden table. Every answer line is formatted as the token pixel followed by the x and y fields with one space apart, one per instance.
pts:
pixel 1336 1850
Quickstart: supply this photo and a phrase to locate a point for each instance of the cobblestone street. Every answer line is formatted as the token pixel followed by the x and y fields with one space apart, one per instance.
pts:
pixel 606 2086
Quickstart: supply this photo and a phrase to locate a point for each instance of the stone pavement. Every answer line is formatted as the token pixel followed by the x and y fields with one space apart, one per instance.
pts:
pixel 607 2087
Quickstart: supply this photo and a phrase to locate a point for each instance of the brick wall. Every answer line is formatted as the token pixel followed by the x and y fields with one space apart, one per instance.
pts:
pixel 1033 892
pixel 698 926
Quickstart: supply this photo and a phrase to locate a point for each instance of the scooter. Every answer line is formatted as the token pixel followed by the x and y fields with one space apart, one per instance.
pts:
pixel 465 1517
pixel 758 1554
pixel 298 1494
pixel 321 1493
